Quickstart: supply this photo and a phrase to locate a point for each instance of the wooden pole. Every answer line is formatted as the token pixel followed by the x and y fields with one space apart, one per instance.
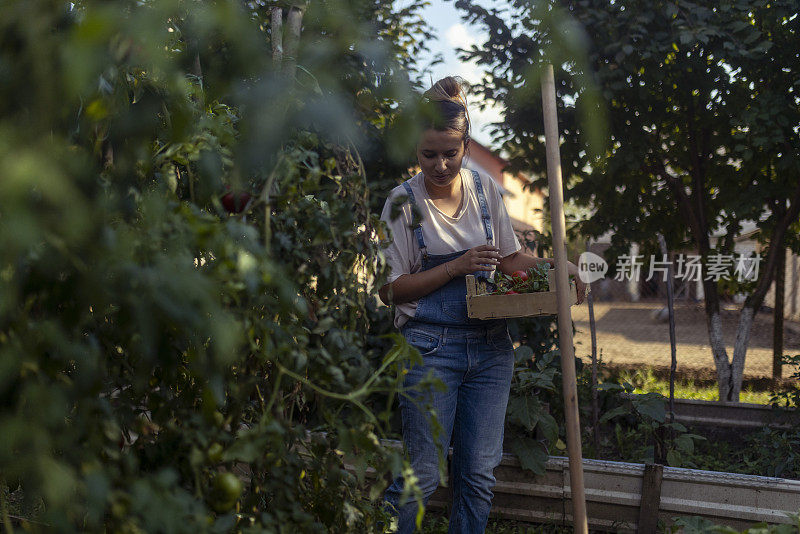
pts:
pixel 672 342
pixel 777 324
pixel 569 383
pixel 595 400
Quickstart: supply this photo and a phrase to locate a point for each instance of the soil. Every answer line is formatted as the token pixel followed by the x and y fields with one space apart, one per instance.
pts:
pixel 631 334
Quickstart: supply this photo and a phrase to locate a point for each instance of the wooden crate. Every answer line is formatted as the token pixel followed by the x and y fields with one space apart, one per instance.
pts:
pixel 483 306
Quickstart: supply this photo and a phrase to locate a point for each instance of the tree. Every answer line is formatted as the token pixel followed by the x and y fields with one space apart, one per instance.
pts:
pixel 702 107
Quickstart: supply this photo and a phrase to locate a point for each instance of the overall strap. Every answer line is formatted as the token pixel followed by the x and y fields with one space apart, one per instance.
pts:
pixel 487 220
pixel 416 221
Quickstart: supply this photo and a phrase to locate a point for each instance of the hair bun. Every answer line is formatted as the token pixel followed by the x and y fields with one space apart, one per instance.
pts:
pixel 449 100
pixel 450 88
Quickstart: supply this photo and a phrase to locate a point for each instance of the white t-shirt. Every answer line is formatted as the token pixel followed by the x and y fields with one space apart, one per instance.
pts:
pixel 443 234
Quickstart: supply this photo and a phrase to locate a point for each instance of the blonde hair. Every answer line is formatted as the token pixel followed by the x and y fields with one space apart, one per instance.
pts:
pixel 450 106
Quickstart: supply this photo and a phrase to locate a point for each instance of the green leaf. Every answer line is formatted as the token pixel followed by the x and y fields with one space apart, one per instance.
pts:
pixel 616 412
pixel 651 405
pixel 525 410
pixel 684 444
pixel 549 427
pixel 531 454
pixel 674 458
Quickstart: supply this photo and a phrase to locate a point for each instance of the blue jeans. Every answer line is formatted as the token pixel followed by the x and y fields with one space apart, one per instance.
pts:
pixel 476 364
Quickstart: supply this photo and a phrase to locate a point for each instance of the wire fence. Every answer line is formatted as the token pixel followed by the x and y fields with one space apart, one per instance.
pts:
pixel 632 324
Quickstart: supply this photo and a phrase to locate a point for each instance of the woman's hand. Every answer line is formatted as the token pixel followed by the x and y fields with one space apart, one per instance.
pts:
pixel 480 258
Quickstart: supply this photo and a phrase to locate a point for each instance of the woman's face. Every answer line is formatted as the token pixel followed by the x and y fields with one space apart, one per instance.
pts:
pixel 440 153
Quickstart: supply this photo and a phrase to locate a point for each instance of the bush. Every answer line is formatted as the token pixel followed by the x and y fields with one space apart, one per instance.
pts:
pixel 156 345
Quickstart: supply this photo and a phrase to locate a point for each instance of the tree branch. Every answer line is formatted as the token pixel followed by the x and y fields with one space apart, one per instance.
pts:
pixel 684 202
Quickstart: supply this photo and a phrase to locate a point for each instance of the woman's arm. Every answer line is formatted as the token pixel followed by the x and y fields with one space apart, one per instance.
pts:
pixel 520 261
pixel 410 287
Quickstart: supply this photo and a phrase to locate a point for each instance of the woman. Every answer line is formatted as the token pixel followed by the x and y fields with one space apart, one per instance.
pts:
pixel 463 228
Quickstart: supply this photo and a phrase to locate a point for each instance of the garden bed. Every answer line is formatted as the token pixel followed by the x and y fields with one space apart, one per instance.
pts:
pixel 734 414
pixel 614 495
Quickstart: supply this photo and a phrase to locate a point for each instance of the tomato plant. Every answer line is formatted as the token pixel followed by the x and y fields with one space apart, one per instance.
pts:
pixel 226 488
pixel 531 280
pixel 152 348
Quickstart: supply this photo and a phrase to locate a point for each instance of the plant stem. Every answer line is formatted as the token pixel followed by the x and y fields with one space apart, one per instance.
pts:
pixel 267 205
pixel 275 391
pixel 352 397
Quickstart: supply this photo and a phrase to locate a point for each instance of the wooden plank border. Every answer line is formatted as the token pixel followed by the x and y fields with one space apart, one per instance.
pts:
pixel 732 414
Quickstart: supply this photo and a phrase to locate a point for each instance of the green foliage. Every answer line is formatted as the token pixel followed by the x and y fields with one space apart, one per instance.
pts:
pixel 154 347
pixel 536 281
pixel 535 405
pixel 531 428
pixel 685 89
pixel 790 397
pixel 702 106
pixel 766 452
pixel 642 432
pixel 698 525
pixel 774 453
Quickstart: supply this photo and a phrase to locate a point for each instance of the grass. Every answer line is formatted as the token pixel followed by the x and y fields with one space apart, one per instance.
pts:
pixel 647 381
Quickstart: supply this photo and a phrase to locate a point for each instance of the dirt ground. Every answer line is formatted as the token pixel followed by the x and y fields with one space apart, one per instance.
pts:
pixel 628 333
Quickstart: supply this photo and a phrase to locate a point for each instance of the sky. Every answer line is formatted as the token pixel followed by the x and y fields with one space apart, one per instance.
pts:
pixel 453 33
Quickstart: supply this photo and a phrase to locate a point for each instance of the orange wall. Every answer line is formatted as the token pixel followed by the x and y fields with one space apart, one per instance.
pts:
pixel 488 161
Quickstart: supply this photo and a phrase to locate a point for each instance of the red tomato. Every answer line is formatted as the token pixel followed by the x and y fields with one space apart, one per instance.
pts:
pixel 235 202
pixel 512 293
pixel 521 275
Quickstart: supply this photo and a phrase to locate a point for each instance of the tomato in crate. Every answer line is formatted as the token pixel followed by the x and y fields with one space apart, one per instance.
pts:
pixel 522 294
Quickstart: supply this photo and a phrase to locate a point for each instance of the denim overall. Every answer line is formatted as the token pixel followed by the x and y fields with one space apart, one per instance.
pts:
pixel 475 360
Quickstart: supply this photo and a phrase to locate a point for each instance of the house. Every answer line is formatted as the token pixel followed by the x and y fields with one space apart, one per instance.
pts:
pixel 525 206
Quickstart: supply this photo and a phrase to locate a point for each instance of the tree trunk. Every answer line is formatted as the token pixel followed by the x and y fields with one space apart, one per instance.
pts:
pixel 777 324
pixel 740 350
pixel 729 373
pixel 724 369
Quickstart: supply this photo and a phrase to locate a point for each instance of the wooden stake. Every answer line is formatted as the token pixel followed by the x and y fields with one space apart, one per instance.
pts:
pixel 672 341
pixel 777 321
pixel 570 385
pixel 595 402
